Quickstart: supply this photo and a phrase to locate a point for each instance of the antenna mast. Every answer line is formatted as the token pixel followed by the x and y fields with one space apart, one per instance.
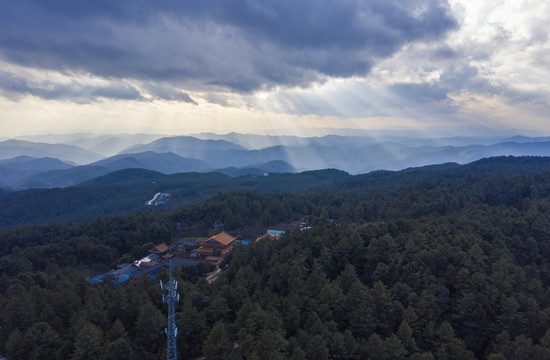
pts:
pixel 171 298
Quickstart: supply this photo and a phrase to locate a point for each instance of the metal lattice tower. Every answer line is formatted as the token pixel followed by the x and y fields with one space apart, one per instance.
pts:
pixel 171 298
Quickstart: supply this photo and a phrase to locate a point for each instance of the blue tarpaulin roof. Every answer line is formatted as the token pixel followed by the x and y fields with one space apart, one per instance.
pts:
pixel 243 242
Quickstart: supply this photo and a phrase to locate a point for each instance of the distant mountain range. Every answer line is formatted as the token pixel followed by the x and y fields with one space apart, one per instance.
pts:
pixel 352 154
pixel 186 146
pixel 105 145
pixel 165 163
pixel 16 170
pixel 28 164
pixel 10 149
pixel 127 190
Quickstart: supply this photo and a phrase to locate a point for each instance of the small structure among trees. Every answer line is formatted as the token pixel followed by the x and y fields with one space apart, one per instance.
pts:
pixel 160 249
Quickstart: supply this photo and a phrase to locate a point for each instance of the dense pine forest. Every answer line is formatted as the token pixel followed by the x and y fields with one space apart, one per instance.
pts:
pixel 446 262
pixel 127 190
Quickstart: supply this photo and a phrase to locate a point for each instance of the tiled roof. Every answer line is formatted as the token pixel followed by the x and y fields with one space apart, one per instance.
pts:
pixel 160 248
pixel 223 238
pixel 204 250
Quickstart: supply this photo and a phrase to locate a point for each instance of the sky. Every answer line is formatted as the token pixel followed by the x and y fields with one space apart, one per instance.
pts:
pixel 303 67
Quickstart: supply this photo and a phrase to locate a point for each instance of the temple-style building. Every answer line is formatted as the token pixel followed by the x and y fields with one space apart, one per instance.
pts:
pixel 222 241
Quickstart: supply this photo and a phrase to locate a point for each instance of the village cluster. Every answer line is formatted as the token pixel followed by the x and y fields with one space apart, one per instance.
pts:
pixel 183 252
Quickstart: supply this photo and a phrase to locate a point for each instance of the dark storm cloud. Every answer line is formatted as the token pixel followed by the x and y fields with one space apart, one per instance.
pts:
pixel 241 45
pixel 14 86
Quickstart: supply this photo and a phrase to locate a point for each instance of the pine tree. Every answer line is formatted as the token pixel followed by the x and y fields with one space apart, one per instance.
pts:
pixel 89 342
pixel 217 345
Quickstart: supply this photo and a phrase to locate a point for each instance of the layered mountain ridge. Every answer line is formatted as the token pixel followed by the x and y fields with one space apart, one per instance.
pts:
pixel 62 165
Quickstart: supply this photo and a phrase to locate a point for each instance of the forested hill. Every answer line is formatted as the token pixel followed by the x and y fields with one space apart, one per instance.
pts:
pixel 495 167
pixel 128 190
pixel 3 192
pixel 443 269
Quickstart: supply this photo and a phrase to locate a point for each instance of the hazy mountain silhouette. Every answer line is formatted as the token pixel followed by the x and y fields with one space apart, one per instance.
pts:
pixel 68 153
pixel 169 155
pixel 12 171
pixel 167 163
pixel 186 146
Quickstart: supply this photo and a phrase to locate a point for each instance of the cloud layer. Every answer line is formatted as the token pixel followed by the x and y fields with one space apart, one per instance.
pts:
pixel 201 45
pixel 318 62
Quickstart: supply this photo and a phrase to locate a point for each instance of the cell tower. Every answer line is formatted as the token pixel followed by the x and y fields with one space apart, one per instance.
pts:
pixel 171 298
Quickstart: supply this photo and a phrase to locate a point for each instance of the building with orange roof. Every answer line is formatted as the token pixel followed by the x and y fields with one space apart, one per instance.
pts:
pixel 160 249
pixel 222 242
